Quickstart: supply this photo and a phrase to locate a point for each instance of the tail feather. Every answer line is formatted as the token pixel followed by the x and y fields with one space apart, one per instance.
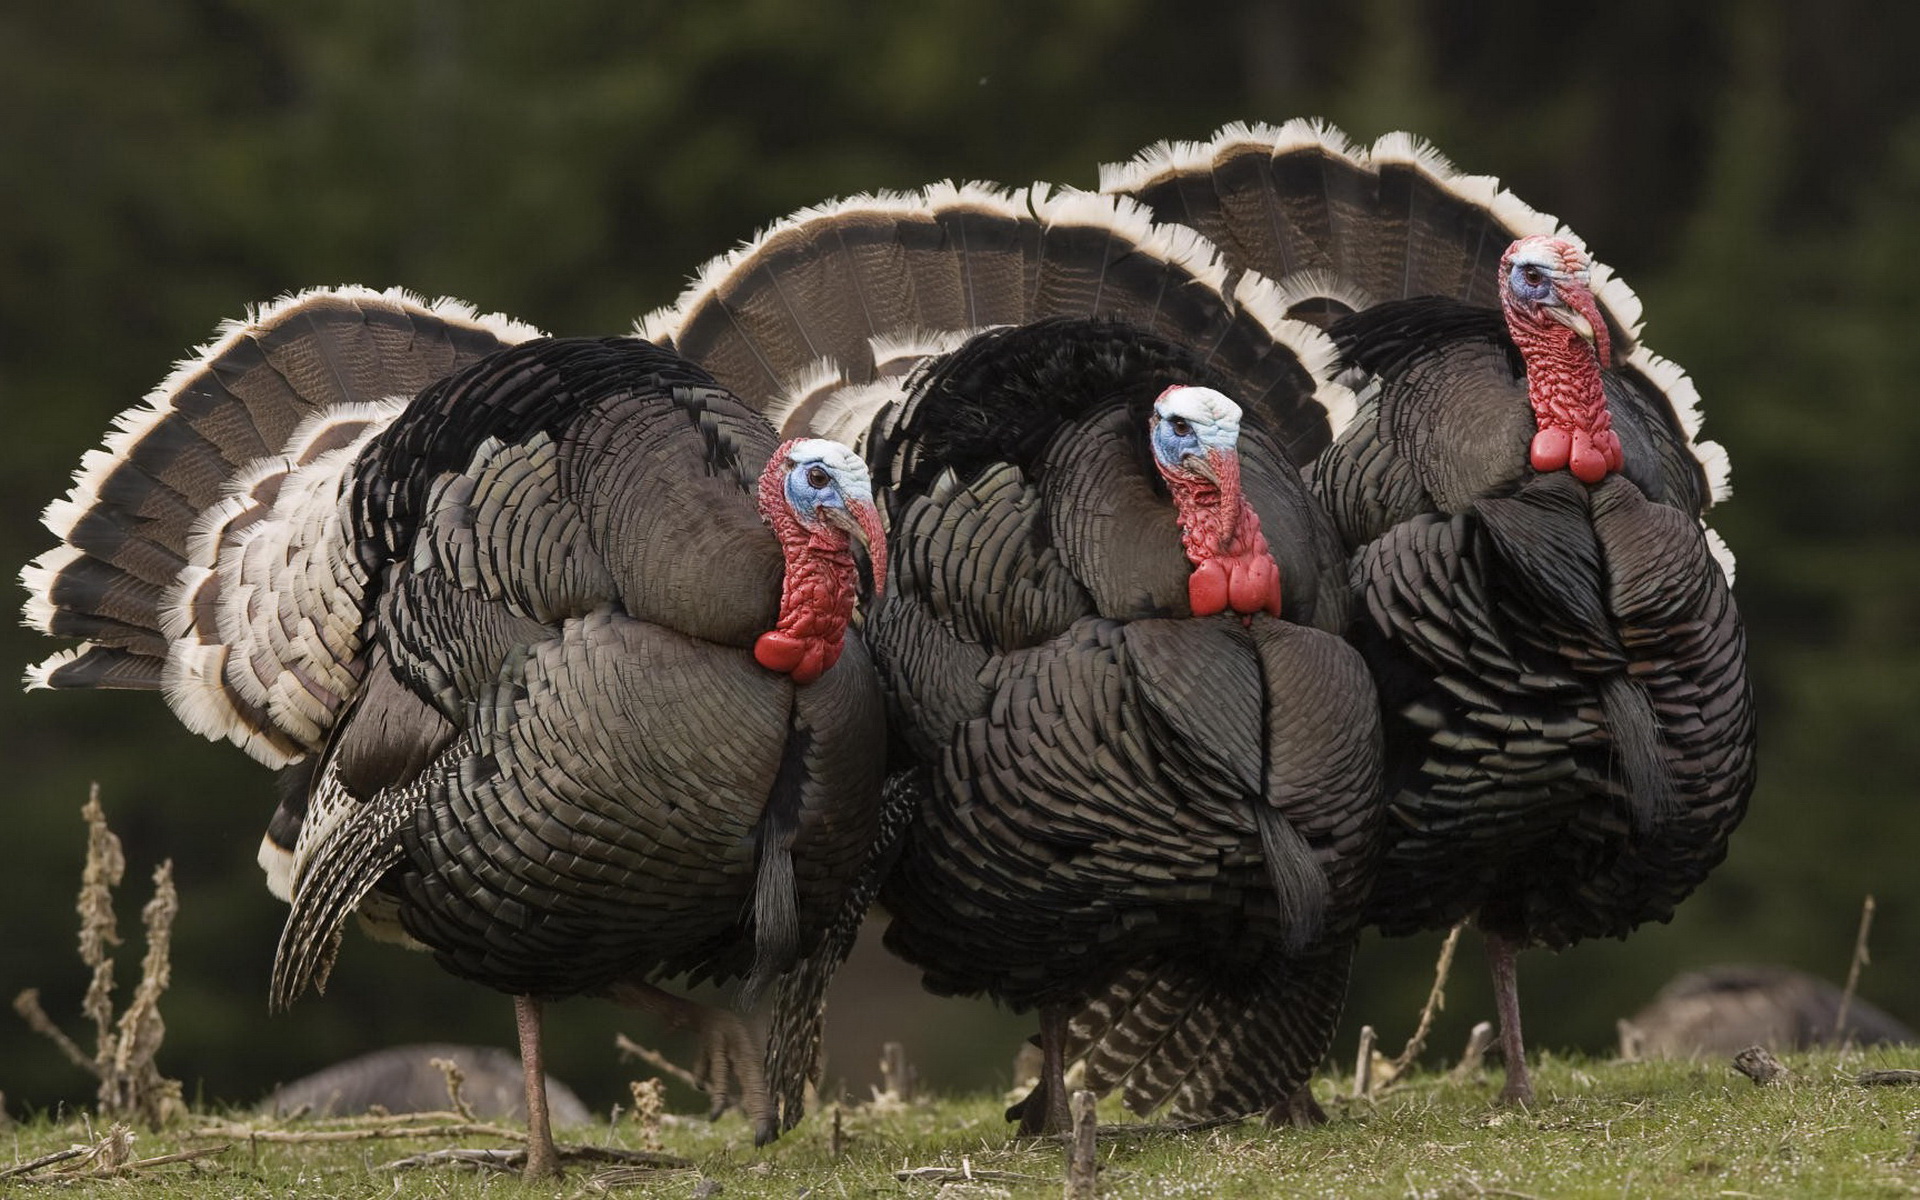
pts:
pixel 202 545
pixel 805 321
pixel 1207 1043
pixel 800 995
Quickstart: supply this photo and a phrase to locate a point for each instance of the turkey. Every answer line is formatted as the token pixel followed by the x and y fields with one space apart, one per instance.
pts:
pixel 550 635
pixel 1570 735
pixel 1139 757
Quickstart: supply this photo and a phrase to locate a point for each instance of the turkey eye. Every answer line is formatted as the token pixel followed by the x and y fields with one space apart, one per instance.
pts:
pixel 1180 425
pixel 1532 275
pixel 817 478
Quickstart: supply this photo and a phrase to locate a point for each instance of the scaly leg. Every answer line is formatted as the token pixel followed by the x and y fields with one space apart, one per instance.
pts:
pixel 1045 1111
pixel 543 1161
pixel 1506 997
pixel 730 1056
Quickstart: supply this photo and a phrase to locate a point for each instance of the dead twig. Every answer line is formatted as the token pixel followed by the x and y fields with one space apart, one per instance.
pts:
pixel 1363 1064
pixel 514 1159
pixel 1471 1058
pixel 1081 1161
pixel 386 1128
pixel 964 1173
pixel 1436 1001
pixel 27 1004
pixel 1860 959
pixel 1888 1078
pixel 45 1160
pixel 104 1170
pixel 657 1061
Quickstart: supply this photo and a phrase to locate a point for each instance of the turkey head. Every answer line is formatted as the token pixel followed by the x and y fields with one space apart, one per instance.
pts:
pixel 1195 432
pixel 1556 323
pixel 818 497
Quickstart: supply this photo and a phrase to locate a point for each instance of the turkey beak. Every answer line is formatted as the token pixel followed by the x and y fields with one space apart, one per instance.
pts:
pixel 1578 312
pixel 1201 465
pixel 861 520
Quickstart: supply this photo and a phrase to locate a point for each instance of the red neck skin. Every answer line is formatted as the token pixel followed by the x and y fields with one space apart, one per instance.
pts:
pixel 1232 567
pixel 816 594
pixel 1574 428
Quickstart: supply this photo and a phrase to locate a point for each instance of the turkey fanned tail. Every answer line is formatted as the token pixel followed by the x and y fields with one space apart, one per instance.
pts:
pixel 819 320
pixel 202 545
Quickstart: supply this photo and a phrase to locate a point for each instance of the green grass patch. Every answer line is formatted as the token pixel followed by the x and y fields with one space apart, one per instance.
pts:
pixel 1602 1128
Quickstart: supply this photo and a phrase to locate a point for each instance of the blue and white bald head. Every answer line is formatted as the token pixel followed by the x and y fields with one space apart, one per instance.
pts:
pixel 825 474
pixel 1191 427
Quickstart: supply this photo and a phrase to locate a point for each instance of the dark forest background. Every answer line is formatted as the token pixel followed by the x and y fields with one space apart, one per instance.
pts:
pixel 1753 169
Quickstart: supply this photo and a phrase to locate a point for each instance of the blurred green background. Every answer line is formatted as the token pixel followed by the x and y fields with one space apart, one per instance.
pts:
pixel 1752 169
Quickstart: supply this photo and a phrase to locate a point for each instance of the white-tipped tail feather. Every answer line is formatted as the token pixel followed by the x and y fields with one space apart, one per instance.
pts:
pixel 233 589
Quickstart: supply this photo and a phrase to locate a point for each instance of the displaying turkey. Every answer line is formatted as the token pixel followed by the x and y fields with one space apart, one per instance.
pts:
pixel 1570 735
pixel 1138 752
pixel 552 632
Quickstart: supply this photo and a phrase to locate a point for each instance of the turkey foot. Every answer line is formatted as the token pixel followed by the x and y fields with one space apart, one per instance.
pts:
pixel 730 1066
pixel 1044 1111
pixel 1506 996
pixel 1299 1110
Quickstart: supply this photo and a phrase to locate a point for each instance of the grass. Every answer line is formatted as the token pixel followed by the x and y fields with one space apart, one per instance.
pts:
pixel 1602 1128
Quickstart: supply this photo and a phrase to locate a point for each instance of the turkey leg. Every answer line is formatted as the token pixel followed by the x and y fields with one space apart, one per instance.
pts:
pixel 730 1066
pixel 1506 997
pixel 543 1162
pixel 1044 1112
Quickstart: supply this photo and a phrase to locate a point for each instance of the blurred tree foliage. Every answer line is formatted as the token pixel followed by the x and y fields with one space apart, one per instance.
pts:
pixel 1753 168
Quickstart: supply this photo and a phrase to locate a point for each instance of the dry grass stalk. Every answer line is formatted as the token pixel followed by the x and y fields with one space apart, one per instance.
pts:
pixel 131 1085
pixel 456 1079
pixel 1860 959
pixel 99 929
pixel 649 1105
pixel 1436 1001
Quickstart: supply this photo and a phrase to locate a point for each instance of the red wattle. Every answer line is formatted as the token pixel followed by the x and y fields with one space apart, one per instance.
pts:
pixel 1552 447
pixel 777 652
pixel 1587 462
pixel 1208 589
pixel 1609 443
pixel 1254 585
